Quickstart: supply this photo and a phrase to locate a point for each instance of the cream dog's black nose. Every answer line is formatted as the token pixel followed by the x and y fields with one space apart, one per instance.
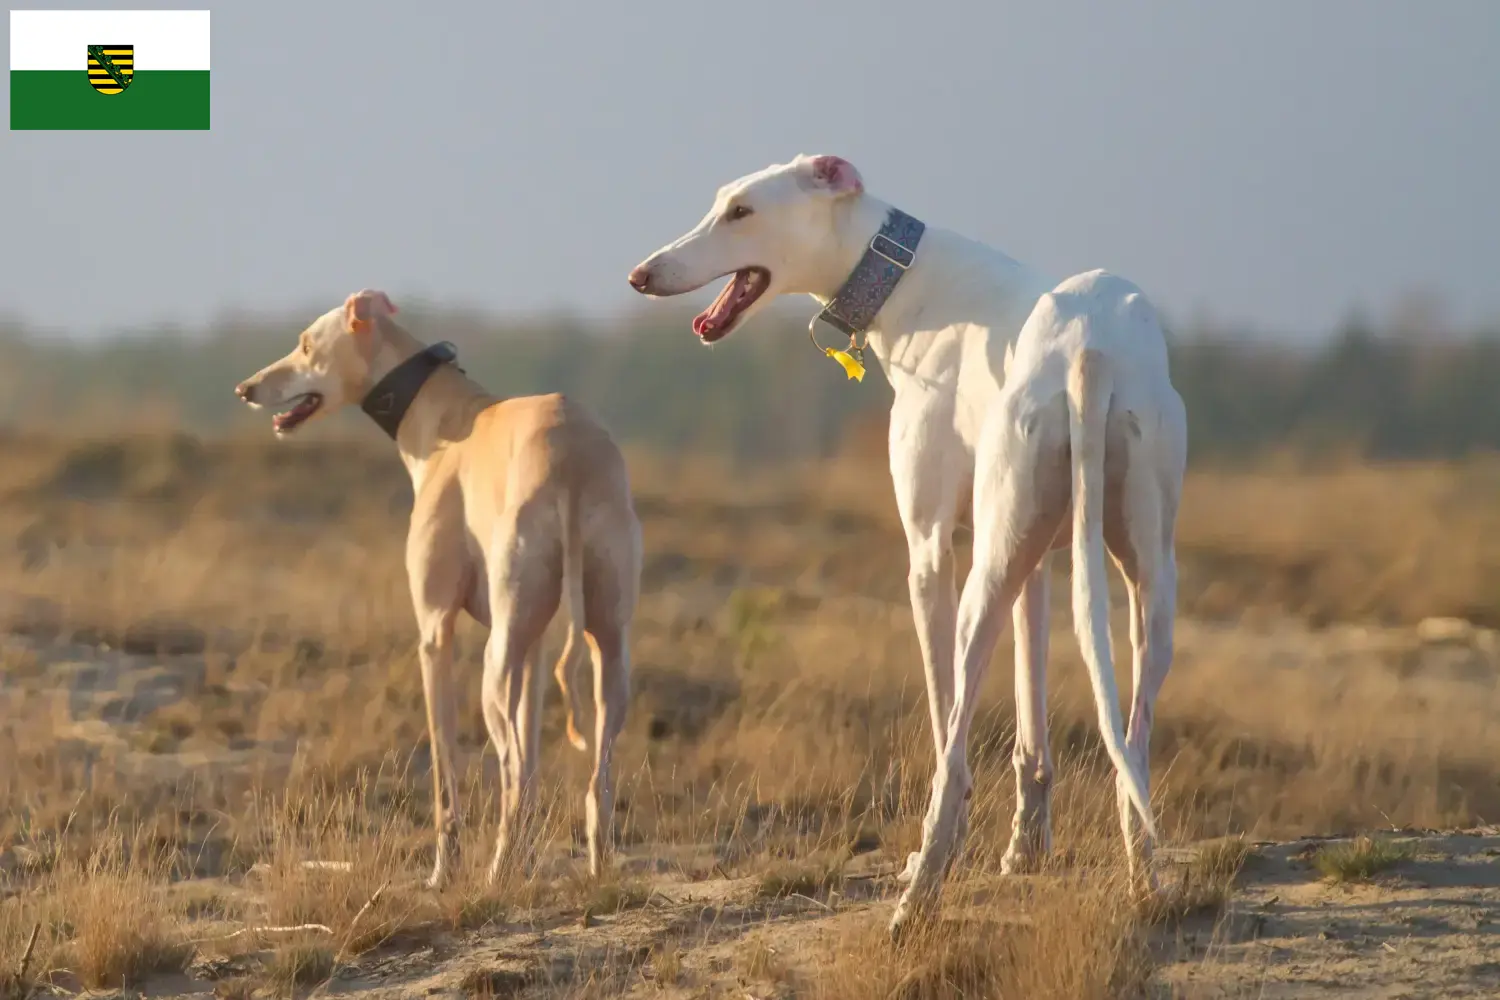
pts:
pixel 245 391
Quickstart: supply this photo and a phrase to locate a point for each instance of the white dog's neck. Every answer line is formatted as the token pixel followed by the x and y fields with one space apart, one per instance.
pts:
pixel 981 286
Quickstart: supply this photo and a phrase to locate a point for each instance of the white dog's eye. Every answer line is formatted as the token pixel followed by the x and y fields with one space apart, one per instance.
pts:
pixel 306 347
pixel 738 212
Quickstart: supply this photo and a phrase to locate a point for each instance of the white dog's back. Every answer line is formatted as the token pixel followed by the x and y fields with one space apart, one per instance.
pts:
pixel 1099 311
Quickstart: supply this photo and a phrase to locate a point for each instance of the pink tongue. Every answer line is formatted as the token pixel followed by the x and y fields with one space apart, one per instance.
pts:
pixel 712 317
pixel 293 415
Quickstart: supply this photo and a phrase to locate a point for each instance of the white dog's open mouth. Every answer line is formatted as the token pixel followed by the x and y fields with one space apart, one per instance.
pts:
pixel 743 289
pixel 303 407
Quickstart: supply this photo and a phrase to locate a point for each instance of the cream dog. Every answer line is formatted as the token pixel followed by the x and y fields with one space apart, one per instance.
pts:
pixel 519 504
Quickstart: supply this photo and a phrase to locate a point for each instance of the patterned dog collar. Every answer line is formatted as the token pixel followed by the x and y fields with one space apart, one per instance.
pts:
pixel 874 278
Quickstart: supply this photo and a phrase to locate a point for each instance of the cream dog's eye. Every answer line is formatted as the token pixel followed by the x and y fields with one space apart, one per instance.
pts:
pixel 739 212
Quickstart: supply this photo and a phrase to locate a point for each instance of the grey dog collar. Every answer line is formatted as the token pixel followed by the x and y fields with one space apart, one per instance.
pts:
pixel 392 396
pixel 874 278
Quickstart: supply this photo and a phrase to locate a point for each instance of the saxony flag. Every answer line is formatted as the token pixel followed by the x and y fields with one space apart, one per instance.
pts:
pixel 109 69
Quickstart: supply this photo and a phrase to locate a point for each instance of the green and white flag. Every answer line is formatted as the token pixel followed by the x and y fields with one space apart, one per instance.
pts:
pixel 109 69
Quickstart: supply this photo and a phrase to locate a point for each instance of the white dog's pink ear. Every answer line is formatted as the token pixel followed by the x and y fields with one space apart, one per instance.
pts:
pixel 360 307
pixel 833 174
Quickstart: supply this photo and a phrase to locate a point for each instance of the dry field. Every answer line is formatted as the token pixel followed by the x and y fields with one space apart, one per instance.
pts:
pixel 213 764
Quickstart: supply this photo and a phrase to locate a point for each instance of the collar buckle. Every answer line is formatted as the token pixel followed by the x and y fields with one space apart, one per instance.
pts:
pixel 902 256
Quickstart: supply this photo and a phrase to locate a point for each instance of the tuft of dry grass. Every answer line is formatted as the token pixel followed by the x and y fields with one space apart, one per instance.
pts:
pixel 1362 858
pixel 1080 941
pixel 757 961
pixel 496 984
pixel 612 894
pixel 1207 882
pixel 477 907
pixel 124 925
pixel 666 964
pixel 300 963
pixel 808 877
pixel 335 857
pixel 239 988
pixel 16 980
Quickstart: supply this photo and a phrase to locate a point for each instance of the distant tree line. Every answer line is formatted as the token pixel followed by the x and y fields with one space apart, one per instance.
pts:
pixel 765 395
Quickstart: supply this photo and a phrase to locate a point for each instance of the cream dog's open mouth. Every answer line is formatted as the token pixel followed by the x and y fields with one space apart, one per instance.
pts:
pixel 743 289
pixel 302 407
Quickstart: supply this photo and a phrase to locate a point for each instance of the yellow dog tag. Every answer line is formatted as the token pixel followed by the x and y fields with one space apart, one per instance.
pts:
pixel 855 370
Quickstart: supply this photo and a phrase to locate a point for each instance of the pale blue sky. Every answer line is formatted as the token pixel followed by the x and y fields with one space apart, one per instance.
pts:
pixel 1271 163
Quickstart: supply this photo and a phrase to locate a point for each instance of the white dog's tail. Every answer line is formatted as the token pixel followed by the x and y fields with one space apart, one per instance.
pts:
pixel 572 574
pixel 1090 386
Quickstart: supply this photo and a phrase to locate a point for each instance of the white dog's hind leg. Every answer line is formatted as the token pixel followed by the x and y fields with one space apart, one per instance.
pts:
pixel 1151 618
pixel 1139 531
pixel 1145 556
pixel 1031 829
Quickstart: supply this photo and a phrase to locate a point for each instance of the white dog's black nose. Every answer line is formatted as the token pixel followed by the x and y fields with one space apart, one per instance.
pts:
pixel 640 278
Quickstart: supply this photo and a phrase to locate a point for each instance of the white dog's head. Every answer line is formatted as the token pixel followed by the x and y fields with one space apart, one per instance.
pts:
pixel 774 230
pixel 328 369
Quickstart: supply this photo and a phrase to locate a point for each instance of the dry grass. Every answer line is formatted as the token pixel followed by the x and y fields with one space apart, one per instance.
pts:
pixel 666 965
pixel 610 895
pixel 812 876
pixel 212 652
pixel 300 964
pixel 1077 941
pixel 106 917
pixel 1362 858
pixel 758 962
pixel 1207 882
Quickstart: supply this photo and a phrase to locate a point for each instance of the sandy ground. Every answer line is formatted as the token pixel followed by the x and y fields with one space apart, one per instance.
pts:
pixel 1428 928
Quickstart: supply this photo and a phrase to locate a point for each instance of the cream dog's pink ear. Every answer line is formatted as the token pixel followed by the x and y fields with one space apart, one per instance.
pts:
pixel 360 307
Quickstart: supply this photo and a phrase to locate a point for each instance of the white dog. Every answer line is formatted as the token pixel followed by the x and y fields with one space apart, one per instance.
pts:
pixel 944 316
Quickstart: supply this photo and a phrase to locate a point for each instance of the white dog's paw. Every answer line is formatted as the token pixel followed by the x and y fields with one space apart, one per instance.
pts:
pixel 912 912
pixel 910 871
pixel 1020 861
pixel 1146 884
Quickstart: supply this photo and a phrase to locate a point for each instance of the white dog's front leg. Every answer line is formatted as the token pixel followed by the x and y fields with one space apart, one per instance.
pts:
pixel 934 608
pixel 1014 524
pixel 991 588
pixel 928 468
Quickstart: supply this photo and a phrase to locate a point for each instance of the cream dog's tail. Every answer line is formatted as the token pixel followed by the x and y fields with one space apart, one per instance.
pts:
pixel 572 561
